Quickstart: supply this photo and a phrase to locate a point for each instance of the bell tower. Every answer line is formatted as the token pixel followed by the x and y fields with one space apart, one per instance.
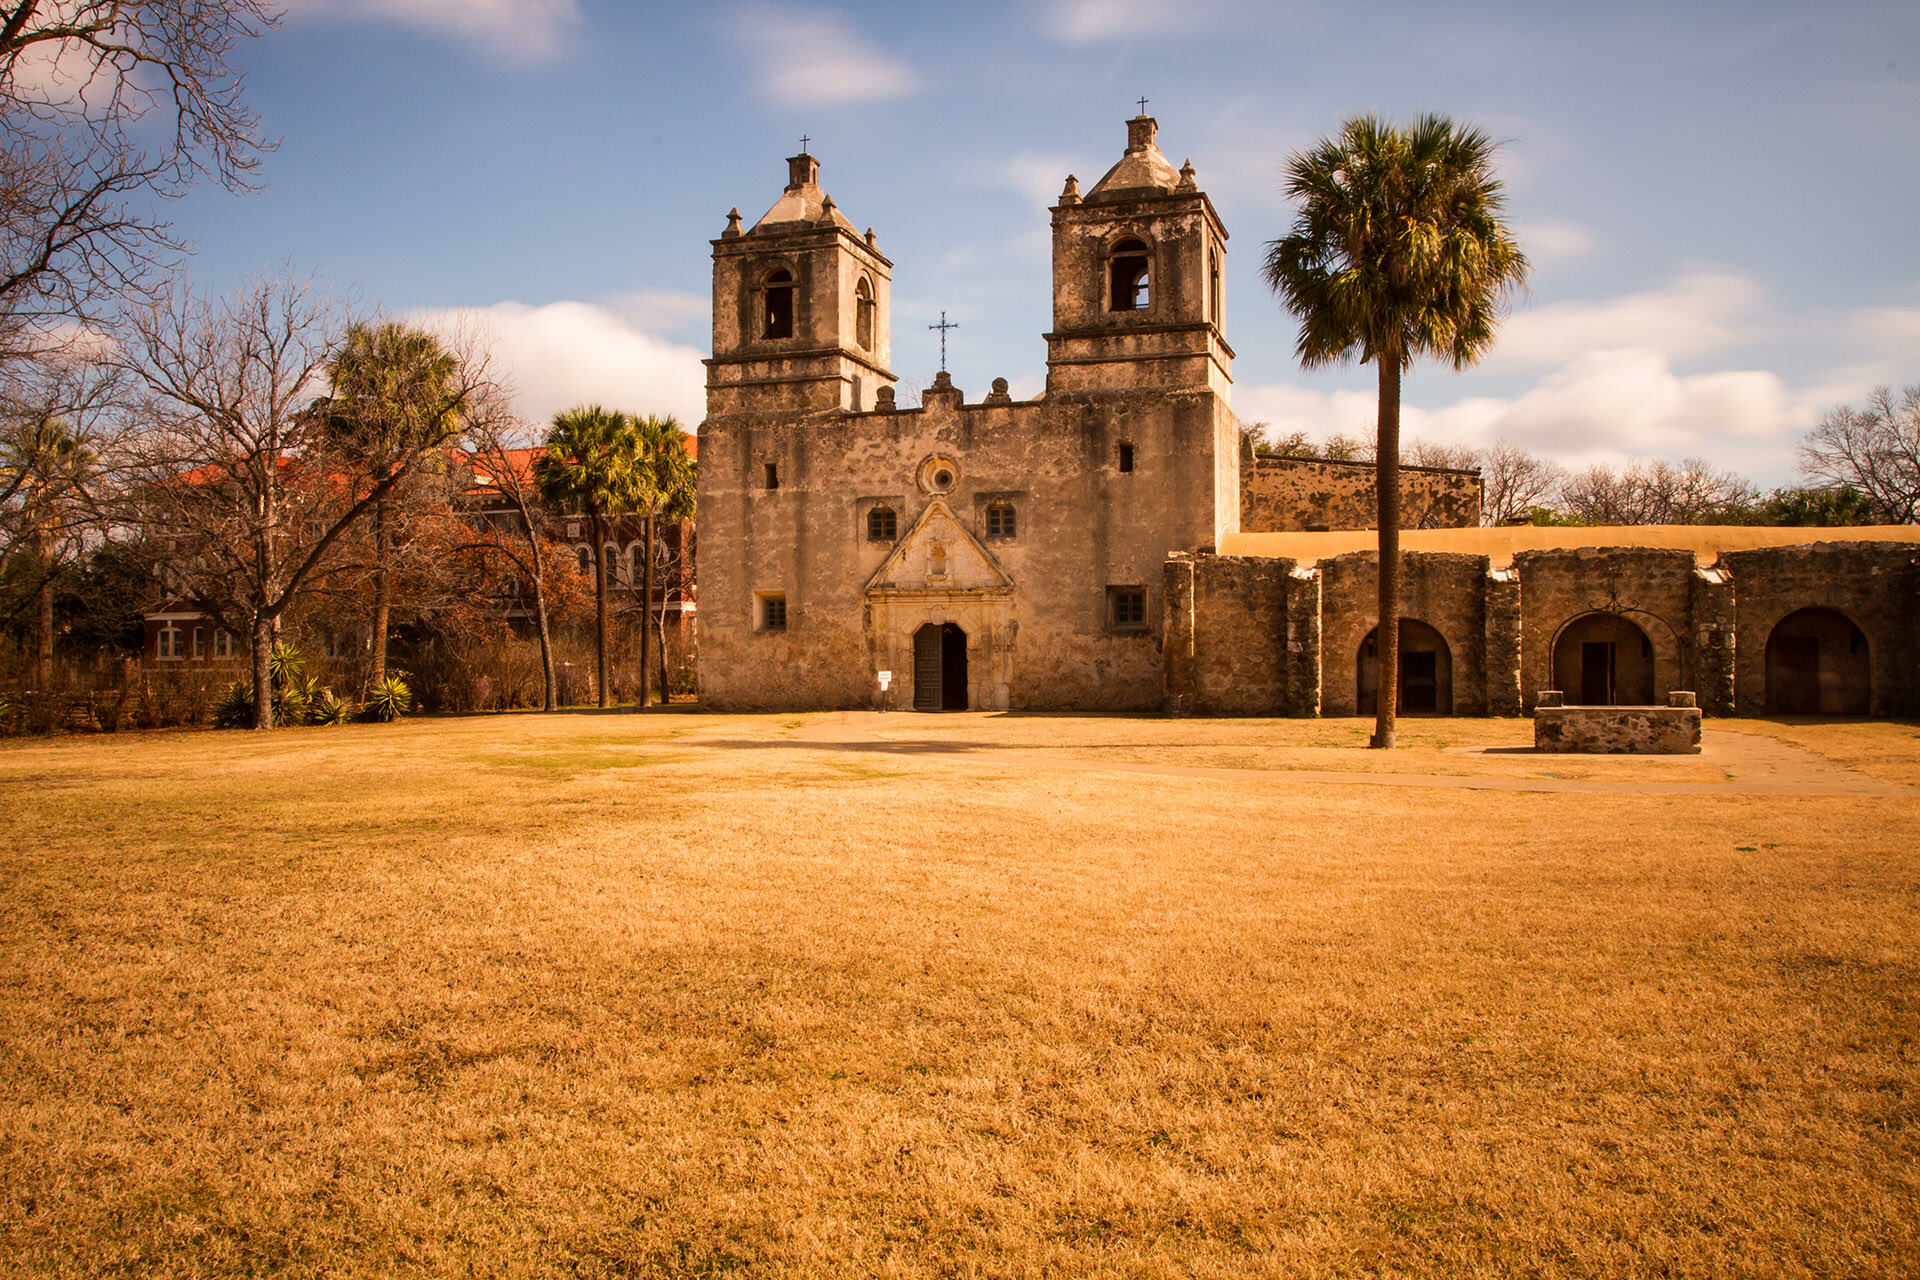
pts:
pixel 801 308
pixel 1137 264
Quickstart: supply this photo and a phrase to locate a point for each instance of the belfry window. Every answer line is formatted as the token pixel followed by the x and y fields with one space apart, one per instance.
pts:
pixel 778 310
pixel 863 314
pixel 881 524
pixel 1129 276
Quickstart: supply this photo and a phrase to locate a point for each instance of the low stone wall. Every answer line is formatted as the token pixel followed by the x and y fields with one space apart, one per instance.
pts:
pixel 1618 731
pixel 1284 494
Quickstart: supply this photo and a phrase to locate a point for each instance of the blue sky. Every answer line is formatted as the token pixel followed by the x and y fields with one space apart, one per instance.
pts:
pixel 1720 200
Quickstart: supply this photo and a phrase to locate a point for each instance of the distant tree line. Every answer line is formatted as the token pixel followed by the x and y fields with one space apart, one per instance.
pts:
pixel 1861 466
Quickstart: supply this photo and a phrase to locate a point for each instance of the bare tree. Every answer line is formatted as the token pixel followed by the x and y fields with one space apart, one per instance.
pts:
pixel 1516 480
pixel 244 496
pixel 1874 451
pixel 1656 492
pixel 506 472
pixel 103 104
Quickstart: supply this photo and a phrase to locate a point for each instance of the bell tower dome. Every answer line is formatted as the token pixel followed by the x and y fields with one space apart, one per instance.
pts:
pixel 801 308
pixel 1137 263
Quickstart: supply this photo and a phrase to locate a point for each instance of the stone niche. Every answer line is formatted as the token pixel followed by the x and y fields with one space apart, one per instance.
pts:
pixel 1620 731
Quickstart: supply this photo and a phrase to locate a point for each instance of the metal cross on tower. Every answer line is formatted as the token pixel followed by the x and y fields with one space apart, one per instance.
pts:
pixel 804 140
pixel 943 326
pixel 1143 106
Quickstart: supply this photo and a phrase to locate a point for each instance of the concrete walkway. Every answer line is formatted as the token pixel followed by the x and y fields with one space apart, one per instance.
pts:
pixel 1754 764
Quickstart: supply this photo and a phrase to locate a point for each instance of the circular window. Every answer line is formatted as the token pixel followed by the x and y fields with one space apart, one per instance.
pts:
pixel 938 474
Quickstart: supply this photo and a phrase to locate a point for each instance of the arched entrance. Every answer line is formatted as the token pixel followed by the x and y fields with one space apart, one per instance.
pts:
pixel 1426 671
pixel 1604 660
pixel 1818 665
pixel 940 668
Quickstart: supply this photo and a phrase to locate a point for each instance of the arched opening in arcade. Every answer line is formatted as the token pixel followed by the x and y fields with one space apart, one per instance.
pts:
pixel 1818 664
pixel 940 668
pixel 1426 671
pixel 1604 660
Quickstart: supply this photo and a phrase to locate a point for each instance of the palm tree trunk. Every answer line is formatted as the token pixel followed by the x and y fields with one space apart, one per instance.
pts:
pixel 382 593
pixel 646 612
pixel 603 636
pixel 660 622
pixel 262 672
pixel 1386 472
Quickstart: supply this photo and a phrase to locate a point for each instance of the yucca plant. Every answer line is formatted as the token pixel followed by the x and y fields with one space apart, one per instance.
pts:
pixel 389 700
pixel 235 708
pixel 329 708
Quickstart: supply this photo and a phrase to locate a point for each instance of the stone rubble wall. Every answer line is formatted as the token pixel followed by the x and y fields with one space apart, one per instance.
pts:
pixel 1283 495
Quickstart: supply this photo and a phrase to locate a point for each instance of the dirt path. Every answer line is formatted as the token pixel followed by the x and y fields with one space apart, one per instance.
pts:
pixel 1754 765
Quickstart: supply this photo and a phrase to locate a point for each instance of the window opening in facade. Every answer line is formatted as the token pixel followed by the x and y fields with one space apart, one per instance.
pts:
pixel 167 644
pixel 1126 457
pixel 1129 276
pixel 1213 289
pixel 863 309
pixel 1000 520
pixel 773 611
pixel 881 524
pixel 586 559
pixel 770 478
pixel 779 304
pixel 1127 608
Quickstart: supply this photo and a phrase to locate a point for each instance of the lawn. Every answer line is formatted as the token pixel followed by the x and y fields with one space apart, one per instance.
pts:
pixel 680 995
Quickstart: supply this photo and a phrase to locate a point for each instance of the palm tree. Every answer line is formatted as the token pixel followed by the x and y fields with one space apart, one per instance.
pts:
pixel 665 491
pixel 396 392
pixel 590 466
pixel 45 469
pixel 1397 250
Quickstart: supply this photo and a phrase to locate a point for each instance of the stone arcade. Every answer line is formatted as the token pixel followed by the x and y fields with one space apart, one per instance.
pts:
pixel 1105 547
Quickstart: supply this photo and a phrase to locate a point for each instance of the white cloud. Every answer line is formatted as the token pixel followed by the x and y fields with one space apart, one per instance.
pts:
pixel 511 30
pixel 808 57
pixel 1038 178
pixel 1554 241
pixel 1602 406
pixel 567 353
pixel 1701 312
pixel 1091 21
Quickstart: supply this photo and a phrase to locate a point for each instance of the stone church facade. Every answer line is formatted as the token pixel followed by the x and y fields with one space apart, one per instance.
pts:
pixel 1105 546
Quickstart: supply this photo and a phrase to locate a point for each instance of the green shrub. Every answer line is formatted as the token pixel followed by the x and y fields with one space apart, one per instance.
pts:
pixel 389 700
pixel 235 708
pixel 329 708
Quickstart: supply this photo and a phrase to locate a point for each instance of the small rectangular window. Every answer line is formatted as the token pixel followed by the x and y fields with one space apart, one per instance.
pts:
pixel 770 478
pixel 222 644
pixel 1126 457
pixel 1000 520
pixel 168 644
pixel 197 633
pixel 772 607
pixel 1127 608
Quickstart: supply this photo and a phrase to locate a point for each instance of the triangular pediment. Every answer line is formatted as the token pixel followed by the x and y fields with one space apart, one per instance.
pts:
pixel 938 553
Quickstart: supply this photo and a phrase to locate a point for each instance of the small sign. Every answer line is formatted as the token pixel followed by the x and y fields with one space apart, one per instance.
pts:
pixel 886 678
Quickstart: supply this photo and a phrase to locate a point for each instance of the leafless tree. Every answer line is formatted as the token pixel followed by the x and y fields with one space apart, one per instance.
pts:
pixel 504 469
pixel 1655 492
pixel 243 495
pixel 104 104
pixel 1874 451
pixel 1517 480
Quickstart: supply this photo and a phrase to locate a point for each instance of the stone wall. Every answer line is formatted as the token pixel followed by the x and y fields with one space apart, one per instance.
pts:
pixel 1279 495
pixel 1825 628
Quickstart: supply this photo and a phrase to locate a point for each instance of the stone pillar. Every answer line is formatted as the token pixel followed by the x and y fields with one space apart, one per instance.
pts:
pixel 1503 641
pixel 1712 601
pixel 1303 641
pixel 1179 678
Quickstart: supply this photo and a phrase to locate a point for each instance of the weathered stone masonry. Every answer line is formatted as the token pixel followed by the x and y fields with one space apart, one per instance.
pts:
pixel 1822 628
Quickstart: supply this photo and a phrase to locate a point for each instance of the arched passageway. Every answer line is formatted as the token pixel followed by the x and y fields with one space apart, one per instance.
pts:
pixel 940 668
pixel 1426 671
pixel 1604 660
pixel 1818 665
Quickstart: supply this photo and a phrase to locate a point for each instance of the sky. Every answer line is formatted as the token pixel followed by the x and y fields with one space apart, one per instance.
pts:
pixel 1719 200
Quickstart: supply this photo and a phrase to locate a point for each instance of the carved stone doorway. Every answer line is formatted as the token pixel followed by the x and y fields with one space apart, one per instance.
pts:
pixel 940 668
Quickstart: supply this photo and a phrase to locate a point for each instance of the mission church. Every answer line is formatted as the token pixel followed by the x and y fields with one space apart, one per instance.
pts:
pixel 1107 546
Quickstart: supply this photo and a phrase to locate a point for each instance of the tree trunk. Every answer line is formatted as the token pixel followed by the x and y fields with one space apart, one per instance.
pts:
pixel 603 634
pixel 646 612
pixel 262 672
pixel 43 615
pixel 546 636
pixel 382 594
pixel 1386 473
pixel 661 635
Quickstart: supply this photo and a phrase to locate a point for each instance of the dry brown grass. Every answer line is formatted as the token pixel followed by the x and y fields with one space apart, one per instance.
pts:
pixel 687 996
